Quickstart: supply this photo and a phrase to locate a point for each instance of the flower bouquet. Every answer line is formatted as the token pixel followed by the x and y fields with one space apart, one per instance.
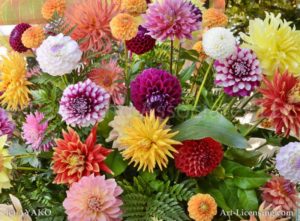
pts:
pixel 139 110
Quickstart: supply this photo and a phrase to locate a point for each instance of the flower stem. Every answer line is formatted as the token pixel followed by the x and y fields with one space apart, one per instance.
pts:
pixel 245 104
pixel 254 126
pixel 171 57
pixel 218 100
pixel 31 169
pixel 177 61
pixel 126 75
pixel 229 106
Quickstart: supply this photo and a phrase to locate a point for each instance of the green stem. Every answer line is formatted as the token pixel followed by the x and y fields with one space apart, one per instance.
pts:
pixel 229 106
pixel 171 57
pixel 30 169
pixel 244 104
pixel 253 127
pixel 221 103
pixel 218 100
pixel 126 75
pixel 20 156
pixel 177 61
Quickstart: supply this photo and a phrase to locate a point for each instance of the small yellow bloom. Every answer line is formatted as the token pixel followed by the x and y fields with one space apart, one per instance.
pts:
pixel 124 26
pixel 52 6
pixel 202 207
pixel 33 37
pixel 5 165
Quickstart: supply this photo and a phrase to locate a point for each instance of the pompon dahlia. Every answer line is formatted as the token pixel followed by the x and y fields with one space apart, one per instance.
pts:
pixel 52 6
pixel 73 159
pixel 219 43
pixel 83 104
pixel 7 127
pixel 58 55
pixel 281 103
pixel 171 19
pixel 288 161
pixel 142 42
pixel 110 77
pixel 214 18
pixel 276 44
pixel 148 141
pixel 280 192
pixel 91 19
pixel 94 198
pixel 33 37
pixel 198 46
pixel 123 26
pixel 16 36
pixel 198 158
pixel 155 89
pixel 134 7
pixel 239 74
pixel 202 207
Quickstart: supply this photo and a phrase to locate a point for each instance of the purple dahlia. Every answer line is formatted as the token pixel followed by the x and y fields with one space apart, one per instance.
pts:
pixel 141 43
pixel 196 11
pixel 155 89
pixel 171 19
pixel 7 127
pixel 239 74
pixel 16 36
pixel 83 104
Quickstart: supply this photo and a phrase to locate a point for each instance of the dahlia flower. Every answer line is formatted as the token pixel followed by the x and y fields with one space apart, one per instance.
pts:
pixel 202 207
pixel 142 42
pixel 122 119
pixel 196 11
pixel 16 35
pixel 198 46
pixel 148 141
pixel 7 127
pixel 33 37
pixel 73 159
pixel 219 43
pixel 134 7
pixel 13 84
pixel 58 55
pixel 155 89
pixel 5 165
pixel 110 77
pixel 198 158
pixel 171 19
pixel 276 44
pixel 280 192
pixel 83 104
pixel 34 130
pixel 123 26
pixel 94 198
pixel 288 162
pixel 52 6
pixel 214 18
pixel 239 73
pixel 280 104
pixel 91 19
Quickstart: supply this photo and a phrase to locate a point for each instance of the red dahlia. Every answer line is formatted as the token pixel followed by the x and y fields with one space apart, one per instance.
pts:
pixel 16 36
pixel 73 159
pixel 198 158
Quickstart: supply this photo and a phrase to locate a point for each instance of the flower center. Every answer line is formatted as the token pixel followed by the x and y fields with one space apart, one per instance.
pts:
pixel 95 204
pixel 107 81
pixel 240 68
pixel 73 160
pixel 56 48
pixel 158 101
pixel 203 207
pixel 80 105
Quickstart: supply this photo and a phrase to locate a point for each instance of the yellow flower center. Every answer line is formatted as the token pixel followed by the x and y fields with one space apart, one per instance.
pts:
pixel 74 160
pixel 203 207
pixel 95 203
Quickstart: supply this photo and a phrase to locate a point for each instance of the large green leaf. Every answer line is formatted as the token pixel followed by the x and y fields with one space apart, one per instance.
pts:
pixel 116 163
pixel 245 178
pixel 248 199
pixel 210 124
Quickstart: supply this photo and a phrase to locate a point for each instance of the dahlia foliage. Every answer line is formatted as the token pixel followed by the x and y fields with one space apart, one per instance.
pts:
pixel 149 110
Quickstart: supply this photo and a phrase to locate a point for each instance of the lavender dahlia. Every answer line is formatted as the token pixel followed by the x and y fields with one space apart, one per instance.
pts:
pixel 239 73
pixel 155 89
pixel 171 19
pixel 7 127
pixel 83 104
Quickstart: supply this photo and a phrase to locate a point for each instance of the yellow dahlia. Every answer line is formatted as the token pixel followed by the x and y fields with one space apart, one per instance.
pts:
pixel 52 6
pixel 214 18
pixel 124 26
pixel 13 84
pixel 134 7
pixel 148 142
pixel 33 37
pixel 276 44
pixel 5 165
pixel 202 207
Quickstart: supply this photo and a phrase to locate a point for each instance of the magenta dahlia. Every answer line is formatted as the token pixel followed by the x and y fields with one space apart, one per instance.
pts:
pixel 239 74
pixel 7 127
pixel 142 42
pixel 198 158
pixel 155 89
pixel 83 104
pixel 171 19
pixel 16 36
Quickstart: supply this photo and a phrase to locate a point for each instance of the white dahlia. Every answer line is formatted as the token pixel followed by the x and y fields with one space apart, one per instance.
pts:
pixel 58 55
pixel 219 43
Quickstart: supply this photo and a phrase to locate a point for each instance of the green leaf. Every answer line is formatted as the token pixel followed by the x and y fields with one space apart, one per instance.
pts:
pixel 210 124
pixel 244 157
pixel 17 149
pixel 116 163
pixel 219 172
pixel 103 127
pixel 248 199
pixel 218 196
pixel 186 73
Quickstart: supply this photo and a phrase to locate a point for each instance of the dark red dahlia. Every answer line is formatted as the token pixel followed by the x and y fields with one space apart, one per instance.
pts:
pixel 198 158
pixel 141 43
pixel 155 89
pixel 16 36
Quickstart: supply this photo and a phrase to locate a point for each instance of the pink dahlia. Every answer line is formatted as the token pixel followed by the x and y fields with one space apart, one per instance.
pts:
pixel 94 198
pixel 239 74
pixel 142 42
pixel 34 130
pixel 83 104
pixel 155 89
pixel 15 38
pixel 171 19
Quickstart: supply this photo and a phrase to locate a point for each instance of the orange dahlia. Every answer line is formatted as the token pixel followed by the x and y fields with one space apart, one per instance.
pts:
pixel 214 18
pixel 73 159
pixel 202 207
pixel 91 19
pixel 281 103
pixel 124 27
pixel 52 6
pixel 199 48
pixel 134 7
pixel 33 37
